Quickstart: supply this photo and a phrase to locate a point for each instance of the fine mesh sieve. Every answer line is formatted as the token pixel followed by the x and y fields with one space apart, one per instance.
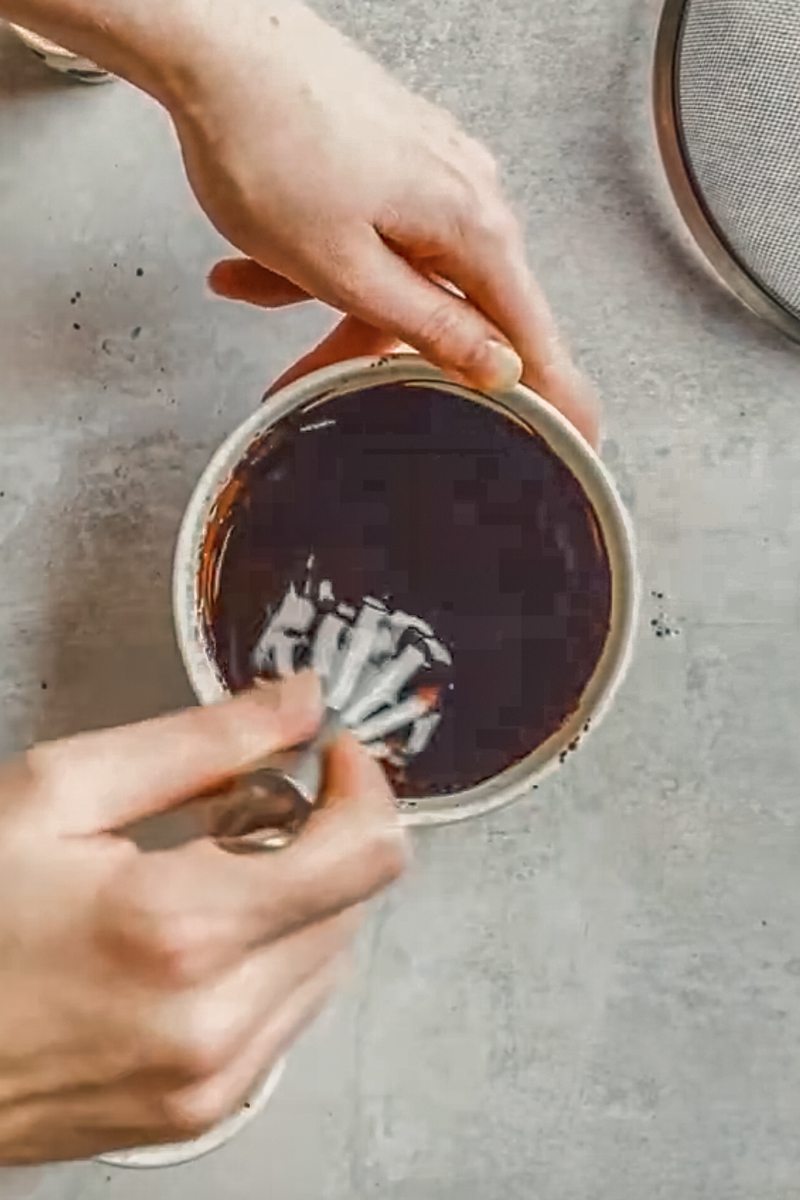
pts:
pixel 727 106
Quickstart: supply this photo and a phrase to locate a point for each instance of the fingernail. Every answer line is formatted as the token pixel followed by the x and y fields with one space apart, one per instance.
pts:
pixel 216 278
pixel 503 366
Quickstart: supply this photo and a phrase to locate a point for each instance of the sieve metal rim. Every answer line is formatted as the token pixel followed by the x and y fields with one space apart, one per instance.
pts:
pixel 702 226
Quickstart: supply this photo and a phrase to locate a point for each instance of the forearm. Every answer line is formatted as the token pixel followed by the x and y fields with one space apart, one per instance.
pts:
pixel 155 44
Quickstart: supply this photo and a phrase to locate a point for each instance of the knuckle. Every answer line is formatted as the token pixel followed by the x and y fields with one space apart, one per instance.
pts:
pixel 388 851
pixel 237 731
pixel 492 220
pixel 168 945
pixel 353 283
pixel 193 1111
pixel 341 266
pixel 174 953
pixel 443 327
pixel 200 1051
pixel 198 1045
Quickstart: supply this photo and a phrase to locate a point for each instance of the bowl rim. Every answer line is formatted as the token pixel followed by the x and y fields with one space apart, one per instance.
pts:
pixel 67 58
pixel 177 1154
pixel 523 405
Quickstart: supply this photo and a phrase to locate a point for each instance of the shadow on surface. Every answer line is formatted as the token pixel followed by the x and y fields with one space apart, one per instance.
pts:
pixel 22 73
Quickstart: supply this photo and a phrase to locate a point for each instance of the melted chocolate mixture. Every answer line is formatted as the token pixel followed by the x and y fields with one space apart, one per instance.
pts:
pixel 450 511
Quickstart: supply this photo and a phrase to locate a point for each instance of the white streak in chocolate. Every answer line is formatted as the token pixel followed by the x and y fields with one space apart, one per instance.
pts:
pixel 398 716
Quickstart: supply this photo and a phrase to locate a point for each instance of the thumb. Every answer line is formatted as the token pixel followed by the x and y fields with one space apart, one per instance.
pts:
pixel 221 906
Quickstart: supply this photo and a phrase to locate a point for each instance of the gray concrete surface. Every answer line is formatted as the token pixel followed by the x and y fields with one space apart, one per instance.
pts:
pixel 590 998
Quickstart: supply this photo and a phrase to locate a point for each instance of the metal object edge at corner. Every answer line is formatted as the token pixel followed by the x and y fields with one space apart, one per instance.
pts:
pixel 708 238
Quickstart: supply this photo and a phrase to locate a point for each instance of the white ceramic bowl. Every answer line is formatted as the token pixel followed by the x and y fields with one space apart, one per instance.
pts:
pixel 562 439
pixel 183 1152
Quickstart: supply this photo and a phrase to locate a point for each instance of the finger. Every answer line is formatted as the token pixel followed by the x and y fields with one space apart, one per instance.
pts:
pixel 195 911
pixel 67 1127
pixel 351 338
pixel 103 781
pixel 142 1110
pixel 198 1107
pixel 392 295
pixel 493 273
pixel 200 1030
pixel 244 280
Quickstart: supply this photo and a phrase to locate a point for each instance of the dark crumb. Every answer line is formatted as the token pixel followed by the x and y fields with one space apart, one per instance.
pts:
pixel 115 265
pixel 654 622
pixel 247 1104
pixel 742 412
pixel 657 595
pixel 73 300
pixel 139 272
pixel 587 726
pixel 75 325
pixel 135 333
pixel 172 401
pixel 43 685
pixel 659 633
pixel 274 21
pixel 562 758
pixel 764 923
pixel 536 787
pixel 2 495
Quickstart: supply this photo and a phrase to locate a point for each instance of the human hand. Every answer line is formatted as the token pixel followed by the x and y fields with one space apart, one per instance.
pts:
pixel 144 994
pixel 333 178
pixel 323 169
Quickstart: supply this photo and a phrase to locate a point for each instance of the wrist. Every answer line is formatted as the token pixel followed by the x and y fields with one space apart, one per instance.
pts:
pixel 179 55
pixel 164 47
pixel 215 49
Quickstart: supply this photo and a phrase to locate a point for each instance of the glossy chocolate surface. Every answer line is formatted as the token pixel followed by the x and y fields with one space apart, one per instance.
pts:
pixel 449 510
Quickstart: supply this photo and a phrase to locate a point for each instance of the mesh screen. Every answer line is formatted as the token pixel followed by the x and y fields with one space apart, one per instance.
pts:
pixel 738 98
